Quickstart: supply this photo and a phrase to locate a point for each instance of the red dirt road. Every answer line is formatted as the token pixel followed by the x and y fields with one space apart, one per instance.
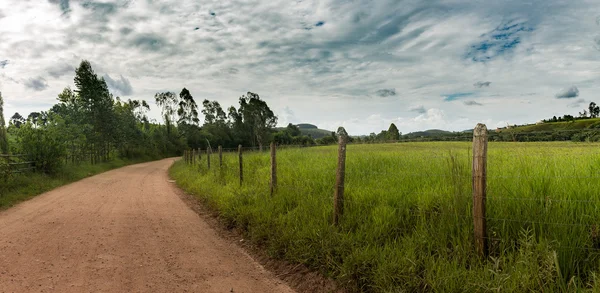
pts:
pixel 125 230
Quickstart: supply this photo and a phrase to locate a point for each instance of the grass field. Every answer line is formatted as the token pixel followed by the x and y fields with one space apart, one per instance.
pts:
pixel 408 223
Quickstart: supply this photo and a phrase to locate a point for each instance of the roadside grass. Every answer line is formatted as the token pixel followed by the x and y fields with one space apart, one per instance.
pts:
pixel 20 187
pixel 408 221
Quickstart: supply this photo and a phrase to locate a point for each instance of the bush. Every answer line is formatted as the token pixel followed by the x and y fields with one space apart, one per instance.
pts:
pixel 44 146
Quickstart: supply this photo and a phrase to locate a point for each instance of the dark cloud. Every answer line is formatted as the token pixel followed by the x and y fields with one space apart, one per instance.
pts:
pixel 36 84
pixel 149 42
pixel 386 92
pixel 577 103
pixel 568 93
pixel 472 103
pixel 64 5
pixel 61 70
pixel 122 85
pixel 481 84
pixel 418 109
pixel 320 23
pixel 125 31
pixel 3 63
pixel 100 10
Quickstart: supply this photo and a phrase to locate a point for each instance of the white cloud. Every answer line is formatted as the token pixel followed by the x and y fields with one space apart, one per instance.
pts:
pixel 328 75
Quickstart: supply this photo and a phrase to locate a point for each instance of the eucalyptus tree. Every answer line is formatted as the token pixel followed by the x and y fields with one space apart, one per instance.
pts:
pixel 168 102
pixel 3 132
pixel 257 118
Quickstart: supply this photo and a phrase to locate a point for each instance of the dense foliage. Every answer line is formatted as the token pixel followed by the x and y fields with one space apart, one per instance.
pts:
pixel 88 124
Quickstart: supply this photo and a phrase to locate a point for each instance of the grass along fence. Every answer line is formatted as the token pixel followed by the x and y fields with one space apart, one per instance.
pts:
pixel 443 217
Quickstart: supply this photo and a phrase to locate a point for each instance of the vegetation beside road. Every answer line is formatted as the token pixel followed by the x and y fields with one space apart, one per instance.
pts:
pixel 408 224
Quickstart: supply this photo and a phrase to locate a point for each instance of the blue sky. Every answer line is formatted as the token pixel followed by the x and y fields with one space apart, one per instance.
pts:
pixel 362 64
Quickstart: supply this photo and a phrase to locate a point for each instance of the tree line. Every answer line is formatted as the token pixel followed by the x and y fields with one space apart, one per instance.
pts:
pixel 89 124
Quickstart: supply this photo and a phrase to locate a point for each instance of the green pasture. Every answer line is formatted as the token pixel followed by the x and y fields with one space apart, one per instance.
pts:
pixel 407 223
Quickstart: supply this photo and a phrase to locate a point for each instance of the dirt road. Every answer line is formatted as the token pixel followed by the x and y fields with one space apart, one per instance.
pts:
pixel 126 230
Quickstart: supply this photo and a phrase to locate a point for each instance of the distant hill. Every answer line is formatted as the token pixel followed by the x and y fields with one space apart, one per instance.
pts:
pixel 313 130
pixel 310 129
pixel 427 133
pixel 306 126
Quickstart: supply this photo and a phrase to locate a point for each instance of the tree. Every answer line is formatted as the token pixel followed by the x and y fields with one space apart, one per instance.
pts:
pixel 216 128
pixel 393 133
pixel 34 118
pixel 3 133
pixel 594 110
pixel 168 103
pixel 96 104
pixel 188 109
pixel 257 118
pixel 293 130
pixel 17 120
pixel 213 113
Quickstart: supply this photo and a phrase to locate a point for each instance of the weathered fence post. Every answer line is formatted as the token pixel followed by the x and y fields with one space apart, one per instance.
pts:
pixel 338 198
pixel 273 168
pixel 199 155
pixel 241 165
pixel 194 156
pixel 480 142
pixel 220 157
pixel 208 157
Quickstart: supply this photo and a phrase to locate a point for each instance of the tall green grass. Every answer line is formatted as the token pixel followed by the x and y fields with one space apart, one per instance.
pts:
pixel 20 187
pixel 408 222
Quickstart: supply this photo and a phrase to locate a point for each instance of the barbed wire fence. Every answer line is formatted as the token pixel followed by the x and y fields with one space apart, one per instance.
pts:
pixel 490 230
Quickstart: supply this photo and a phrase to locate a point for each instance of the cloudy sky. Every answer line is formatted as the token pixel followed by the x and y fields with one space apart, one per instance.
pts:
pixel 361 64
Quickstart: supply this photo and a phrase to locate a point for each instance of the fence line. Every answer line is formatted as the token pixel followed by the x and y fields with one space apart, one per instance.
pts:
pixel 14 166
pixel 479 175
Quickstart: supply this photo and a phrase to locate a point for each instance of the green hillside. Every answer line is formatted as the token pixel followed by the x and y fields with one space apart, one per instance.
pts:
pixel 558 126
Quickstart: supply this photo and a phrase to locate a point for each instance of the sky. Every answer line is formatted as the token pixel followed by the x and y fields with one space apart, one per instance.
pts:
pixel 360 64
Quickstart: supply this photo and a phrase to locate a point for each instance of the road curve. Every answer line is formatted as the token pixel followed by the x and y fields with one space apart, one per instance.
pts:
pixel 126 230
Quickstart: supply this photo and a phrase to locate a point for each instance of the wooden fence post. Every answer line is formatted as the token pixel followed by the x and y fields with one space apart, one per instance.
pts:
pixel 480 142
pixel 194 156
pixel 241 165
pixel 220 157
pixel 273 168
pixel 185 156
pixel 338 198
pixel 208 157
